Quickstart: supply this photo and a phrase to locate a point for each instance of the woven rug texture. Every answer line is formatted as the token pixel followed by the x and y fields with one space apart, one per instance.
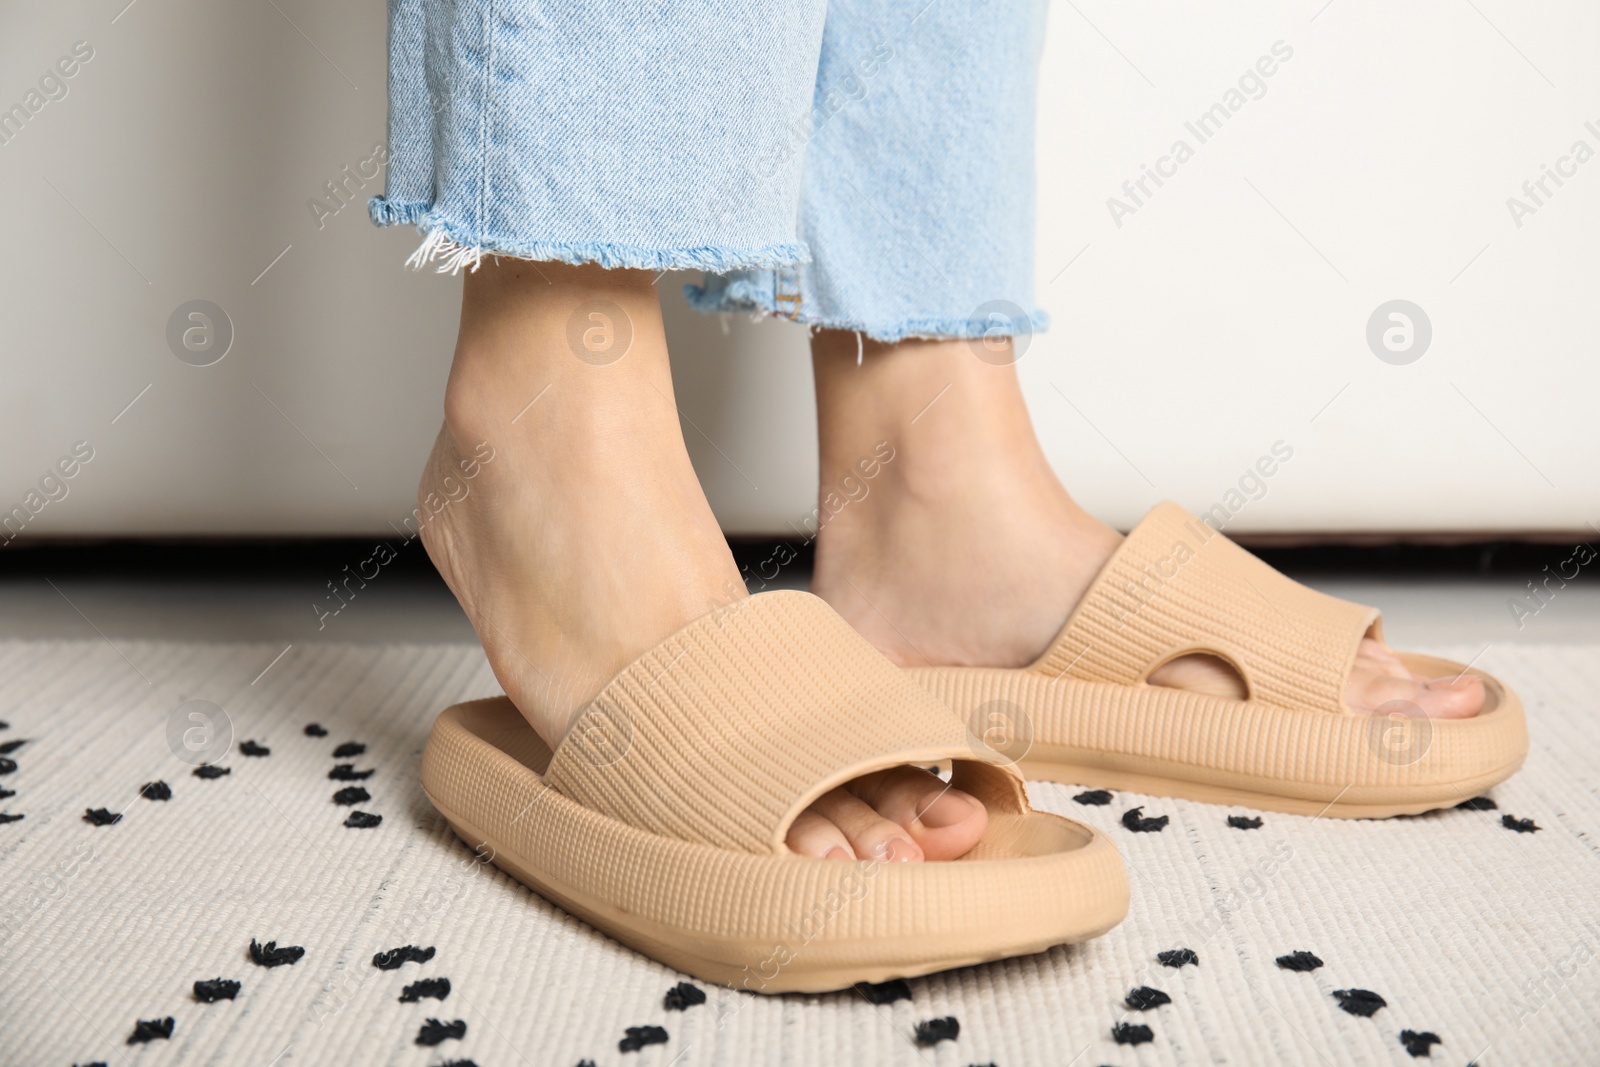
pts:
pixel 1471 925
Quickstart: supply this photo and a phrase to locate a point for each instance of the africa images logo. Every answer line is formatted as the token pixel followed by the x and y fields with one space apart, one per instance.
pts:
pixel 1251 85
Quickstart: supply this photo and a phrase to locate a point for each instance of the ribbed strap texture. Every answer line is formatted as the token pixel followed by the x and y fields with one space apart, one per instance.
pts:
pixel 1175 585
pixel 727 729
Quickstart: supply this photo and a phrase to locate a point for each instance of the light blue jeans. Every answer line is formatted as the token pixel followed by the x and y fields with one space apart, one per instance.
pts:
pixel 854 164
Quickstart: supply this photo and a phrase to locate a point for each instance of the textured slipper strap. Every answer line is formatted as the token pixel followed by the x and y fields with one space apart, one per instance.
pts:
pixel 1175 585
pixel 730 727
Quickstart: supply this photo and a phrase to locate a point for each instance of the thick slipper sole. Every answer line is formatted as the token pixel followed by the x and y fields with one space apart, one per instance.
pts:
pixel 1170 742
pixel 766 923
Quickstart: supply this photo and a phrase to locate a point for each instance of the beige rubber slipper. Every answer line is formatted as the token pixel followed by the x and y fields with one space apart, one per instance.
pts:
pixel 661 818
pixel 1083 713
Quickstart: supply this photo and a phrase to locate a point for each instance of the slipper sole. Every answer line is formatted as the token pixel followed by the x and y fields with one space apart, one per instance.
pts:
pixel 766 923
pixel 1171 742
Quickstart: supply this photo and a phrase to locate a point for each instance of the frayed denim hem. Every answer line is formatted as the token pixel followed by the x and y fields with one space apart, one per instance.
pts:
pixel 743 295
pixel 452 248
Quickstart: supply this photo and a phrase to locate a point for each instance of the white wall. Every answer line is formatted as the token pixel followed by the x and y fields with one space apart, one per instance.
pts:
pixel 1222 316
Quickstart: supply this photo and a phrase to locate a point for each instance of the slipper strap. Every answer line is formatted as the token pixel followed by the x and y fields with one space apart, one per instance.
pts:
pixel 1177 586
pixel 729 728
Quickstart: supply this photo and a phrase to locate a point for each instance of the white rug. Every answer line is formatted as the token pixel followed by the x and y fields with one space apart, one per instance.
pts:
pixel 1486 937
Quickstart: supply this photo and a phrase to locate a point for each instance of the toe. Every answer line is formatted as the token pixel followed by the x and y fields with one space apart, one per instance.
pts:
pixel 871 836
pixel 943 821
pixel 1452 697
pixel 811 834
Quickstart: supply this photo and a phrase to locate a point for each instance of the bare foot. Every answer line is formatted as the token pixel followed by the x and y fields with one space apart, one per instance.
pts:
pixel 966 550
pixel 565 516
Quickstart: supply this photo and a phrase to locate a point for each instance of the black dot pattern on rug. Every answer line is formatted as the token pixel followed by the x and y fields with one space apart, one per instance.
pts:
pixel 1244 822
pixel 314 730
pixel 209 991
pixel 348 749
pixel 683 996
pixel 433 1031
pixel 251 748
pixel 6 817
pixel 270 955
pixel 1178 957
pixel 8 747
pixel 1478 804
pixel 394 958
pixel 586 1063
pixel 362 820
pixel 1521 826
pixel 102 1063
pixel 1144 998
pixel 1093 797
pixel 150 1029
pixel 1299 960
pixel 101 817
pixel 209 771
pixel 156 790
pixel 346 772
pixel 885 992
pixel 933 1031
pixel 1420 1044
pixel 437 988
pixel 1132 1034
pixel 640 1036
pixel 459 1063
pixel 7 765
pixel 1135 820
pixel 7 793
pixel 1362 1002
pixel 351 794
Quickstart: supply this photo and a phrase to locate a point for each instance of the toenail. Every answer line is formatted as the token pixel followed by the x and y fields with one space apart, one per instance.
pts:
pixel 838 852
pixel 897 850
pixel 1453 681
pixel 946 809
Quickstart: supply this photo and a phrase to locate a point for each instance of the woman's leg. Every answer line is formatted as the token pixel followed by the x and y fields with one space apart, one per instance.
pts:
pixel 548 133
pixel 969 550
pixel 918 204
pixel 584 538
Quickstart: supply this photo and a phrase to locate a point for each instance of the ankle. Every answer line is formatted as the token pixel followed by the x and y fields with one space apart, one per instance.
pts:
pixel 964 548
pixel 954 422
pixel 586 344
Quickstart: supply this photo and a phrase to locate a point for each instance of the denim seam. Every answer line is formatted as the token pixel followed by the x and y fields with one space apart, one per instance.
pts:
pixel 743 295
pixel 386 212
pixel 779 276
pixel 484 122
